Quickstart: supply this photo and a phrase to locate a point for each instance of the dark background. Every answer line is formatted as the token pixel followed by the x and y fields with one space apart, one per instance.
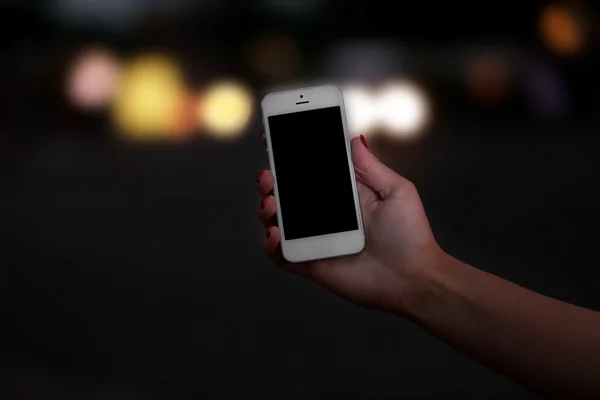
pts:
pixel 134 270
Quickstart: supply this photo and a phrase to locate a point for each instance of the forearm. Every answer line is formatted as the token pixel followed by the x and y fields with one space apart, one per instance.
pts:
pixel 548 346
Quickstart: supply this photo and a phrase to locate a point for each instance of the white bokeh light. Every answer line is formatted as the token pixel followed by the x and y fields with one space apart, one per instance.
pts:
pixel 360 110
pixel 402 110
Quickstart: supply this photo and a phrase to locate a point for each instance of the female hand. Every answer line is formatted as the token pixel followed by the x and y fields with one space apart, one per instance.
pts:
pixel 399 242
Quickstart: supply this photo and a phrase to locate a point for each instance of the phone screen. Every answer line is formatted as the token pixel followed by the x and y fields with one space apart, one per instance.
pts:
pixel 313 177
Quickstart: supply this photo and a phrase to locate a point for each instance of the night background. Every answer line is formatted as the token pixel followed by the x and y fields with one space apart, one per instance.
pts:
pixel 131 265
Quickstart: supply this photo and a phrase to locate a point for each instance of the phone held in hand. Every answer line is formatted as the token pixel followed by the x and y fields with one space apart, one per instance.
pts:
pixel 318 209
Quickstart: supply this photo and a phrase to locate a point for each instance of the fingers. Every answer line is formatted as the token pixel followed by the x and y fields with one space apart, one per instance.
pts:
pixel 369 200
pixel 267 211
pixel 272 246
pixel 263 139
pixel 264 178
pixel 267 215
pixel 372 172
pixel 264 182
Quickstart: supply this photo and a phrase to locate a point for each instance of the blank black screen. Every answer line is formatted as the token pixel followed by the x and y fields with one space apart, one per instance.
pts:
pixel 313 177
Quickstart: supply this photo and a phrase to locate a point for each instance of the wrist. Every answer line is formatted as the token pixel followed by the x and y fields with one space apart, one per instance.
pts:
pixel 425 282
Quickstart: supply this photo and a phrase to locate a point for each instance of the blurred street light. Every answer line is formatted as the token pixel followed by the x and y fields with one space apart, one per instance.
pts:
pixel 226 109
pixel 561 27
pixel 92 79
pixel 110 14
pixel 148 98
pixel 274 56
pixel 365 61
pixel 186 120
pixel 488 78
pixel 360 109
pixel 546 92
pixel 403 110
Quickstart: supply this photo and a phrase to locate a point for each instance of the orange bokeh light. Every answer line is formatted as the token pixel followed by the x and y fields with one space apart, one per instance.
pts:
pixel 274 56
pixel 488 79
pixel 562 29
pixel 186 121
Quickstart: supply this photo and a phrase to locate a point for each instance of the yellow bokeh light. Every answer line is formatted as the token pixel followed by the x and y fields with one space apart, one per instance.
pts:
pixel 562 29
pixel 226 109
pixel 148 97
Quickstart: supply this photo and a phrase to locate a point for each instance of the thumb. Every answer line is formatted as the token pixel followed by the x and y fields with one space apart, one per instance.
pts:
pixel 372 172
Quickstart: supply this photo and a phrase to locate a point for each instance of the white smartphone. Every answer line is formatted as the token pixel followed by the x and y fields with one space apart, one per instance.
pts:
pixel 318 211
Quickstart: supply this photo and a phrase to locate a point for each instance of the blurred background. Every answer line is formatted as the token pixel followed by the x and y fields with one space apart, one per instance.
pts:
pixel 132 264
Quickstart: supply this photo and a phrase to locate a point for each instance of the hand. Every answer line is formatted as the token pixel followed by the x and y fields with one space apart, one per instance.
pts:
pixel 399 242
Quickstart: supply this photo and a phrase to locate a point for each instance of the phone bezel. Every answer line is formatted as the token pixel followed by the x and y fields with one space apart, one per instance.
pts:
pixel 324 246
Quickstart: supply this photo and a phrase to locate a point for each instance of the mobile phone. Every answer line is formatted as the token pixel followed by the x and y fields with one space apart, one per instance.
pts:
pixel 318 210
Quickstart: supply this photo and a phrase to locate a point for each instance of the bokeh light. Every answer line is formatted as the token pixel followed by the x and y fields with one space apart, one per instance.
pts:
pixel 187 119
pixel 561 27
pixel 148 98
pixel 360 110
pixel 403 109
pixel 488 78
pixel 226 109
pixel 368 61
pixel 546 92
pixel 92 79
pixel 274 56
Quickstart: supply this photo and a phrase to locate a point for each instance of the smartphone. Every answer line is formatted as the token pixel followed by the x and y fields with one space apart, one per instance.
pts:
pixel 318 211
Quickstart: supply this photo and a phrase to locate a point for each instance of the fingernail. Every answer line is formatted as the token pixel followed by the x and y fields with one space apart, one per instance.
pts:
pixel 364 141
pixel 258 176
pixel 268 234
